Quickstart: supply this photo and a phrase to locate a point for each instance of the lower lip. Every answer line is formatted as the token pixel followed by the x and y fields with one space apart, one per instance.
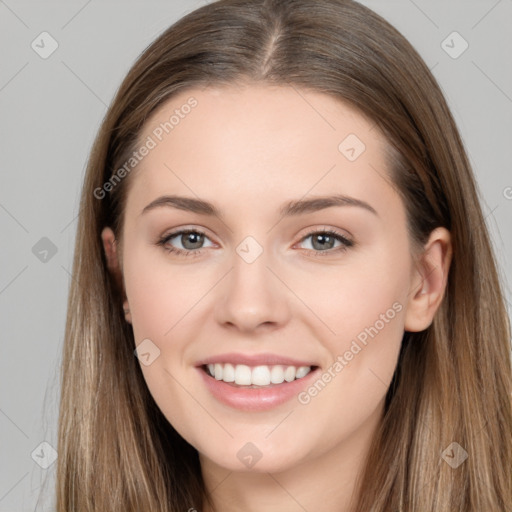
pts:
pixel 256 399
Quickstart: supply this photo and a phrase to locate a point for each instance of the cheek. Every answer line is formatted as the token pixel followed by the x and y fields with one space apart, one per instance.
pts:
pixel 365 309
pixel 161 295
pixel 162 300
pixel 362 306
pixel 357 294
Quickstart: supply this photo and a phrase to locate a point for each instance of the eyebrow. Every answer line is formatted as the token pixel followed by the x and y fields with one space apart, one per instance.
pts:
pixel 291 208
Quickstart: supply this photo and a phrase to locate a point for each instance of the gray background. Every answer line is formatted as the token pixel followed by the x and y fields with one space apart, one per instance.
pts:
pixel 50 111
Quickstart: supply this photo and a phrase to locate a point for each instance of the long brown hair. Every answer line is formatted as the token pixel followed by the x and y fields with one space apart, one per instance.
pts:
pixel 453 382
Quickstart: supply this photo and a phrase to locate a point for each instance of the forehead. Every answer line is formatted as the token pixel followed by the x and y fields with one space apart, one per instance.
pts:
pixel 256 141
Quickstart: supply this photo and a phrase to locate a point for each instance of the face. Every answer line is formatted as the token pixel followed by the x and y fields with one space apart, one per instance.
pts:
pixel 301 301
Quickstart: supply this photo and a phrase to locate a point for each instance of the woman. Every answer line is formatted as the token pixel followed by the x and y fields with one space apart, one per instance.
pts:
pixel 285 295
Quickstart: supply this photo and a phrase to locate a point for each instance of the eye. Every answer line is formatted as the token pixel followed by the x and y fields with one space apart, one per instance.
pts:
pixel 191 241
pixel 323 242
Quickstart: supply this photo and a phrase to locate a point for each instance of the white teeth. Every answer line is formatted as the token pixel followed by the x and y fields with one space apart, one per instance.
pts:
pixel 262 375
pixel 242 375
pixel 289 374
pixel 302 371
pixel 218 371
pixel 277 375
pixel 229 373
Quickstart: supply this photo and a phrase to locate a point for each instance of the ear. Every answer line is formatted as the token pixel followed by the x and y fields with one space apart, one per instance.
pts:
pixel 429 282
pixel 110 247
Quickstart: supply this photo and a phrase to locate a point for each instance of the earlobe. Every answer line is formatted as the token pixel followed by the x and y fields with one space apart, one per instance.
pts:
pixel 110 246
pixel 429 284
pixel 127 314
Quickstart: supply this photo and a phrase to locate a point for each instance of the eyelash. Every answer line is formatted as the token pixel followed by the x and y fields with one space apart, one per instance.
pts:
pixel 346 243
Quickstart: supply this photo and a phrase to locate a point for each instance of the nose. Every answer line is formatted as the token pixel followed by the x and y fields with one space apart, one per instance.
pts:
pixel 252 297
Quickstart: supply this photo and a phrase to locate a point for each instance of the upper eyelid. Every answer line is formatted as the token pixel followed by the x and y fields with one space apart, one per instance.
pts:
pixel 181 231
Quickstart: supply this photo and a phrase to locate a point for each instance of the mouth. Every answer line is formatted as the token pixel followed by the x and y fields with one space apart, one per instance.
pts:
pixel 252 377
pixel 255 383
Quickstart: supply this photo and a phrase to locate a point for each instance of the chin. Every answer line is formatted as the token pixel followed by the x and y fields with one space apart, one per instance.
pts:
pixel 256 463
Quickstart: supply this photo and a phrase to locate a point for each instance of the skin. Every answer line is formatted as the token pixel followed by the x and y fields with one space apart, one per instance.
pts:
pixel 249 149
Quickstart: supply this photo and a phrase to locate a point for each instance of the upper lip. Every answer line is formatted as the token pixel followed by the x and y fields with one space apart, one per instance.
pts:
pixel 254 360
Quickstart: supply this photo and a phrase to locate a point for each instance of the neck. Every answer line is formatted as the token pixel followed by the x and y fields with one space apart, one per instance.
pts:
pixel 327 482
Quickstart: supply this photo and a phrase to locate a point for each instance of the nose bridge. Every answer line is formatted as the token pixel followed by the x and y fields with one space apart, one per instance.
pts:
pixel 252 295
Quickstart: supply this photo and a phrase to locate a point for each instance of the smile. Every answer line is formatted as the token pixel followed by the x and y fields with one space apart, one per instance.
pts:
pixel 257 376
pixel 255 382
